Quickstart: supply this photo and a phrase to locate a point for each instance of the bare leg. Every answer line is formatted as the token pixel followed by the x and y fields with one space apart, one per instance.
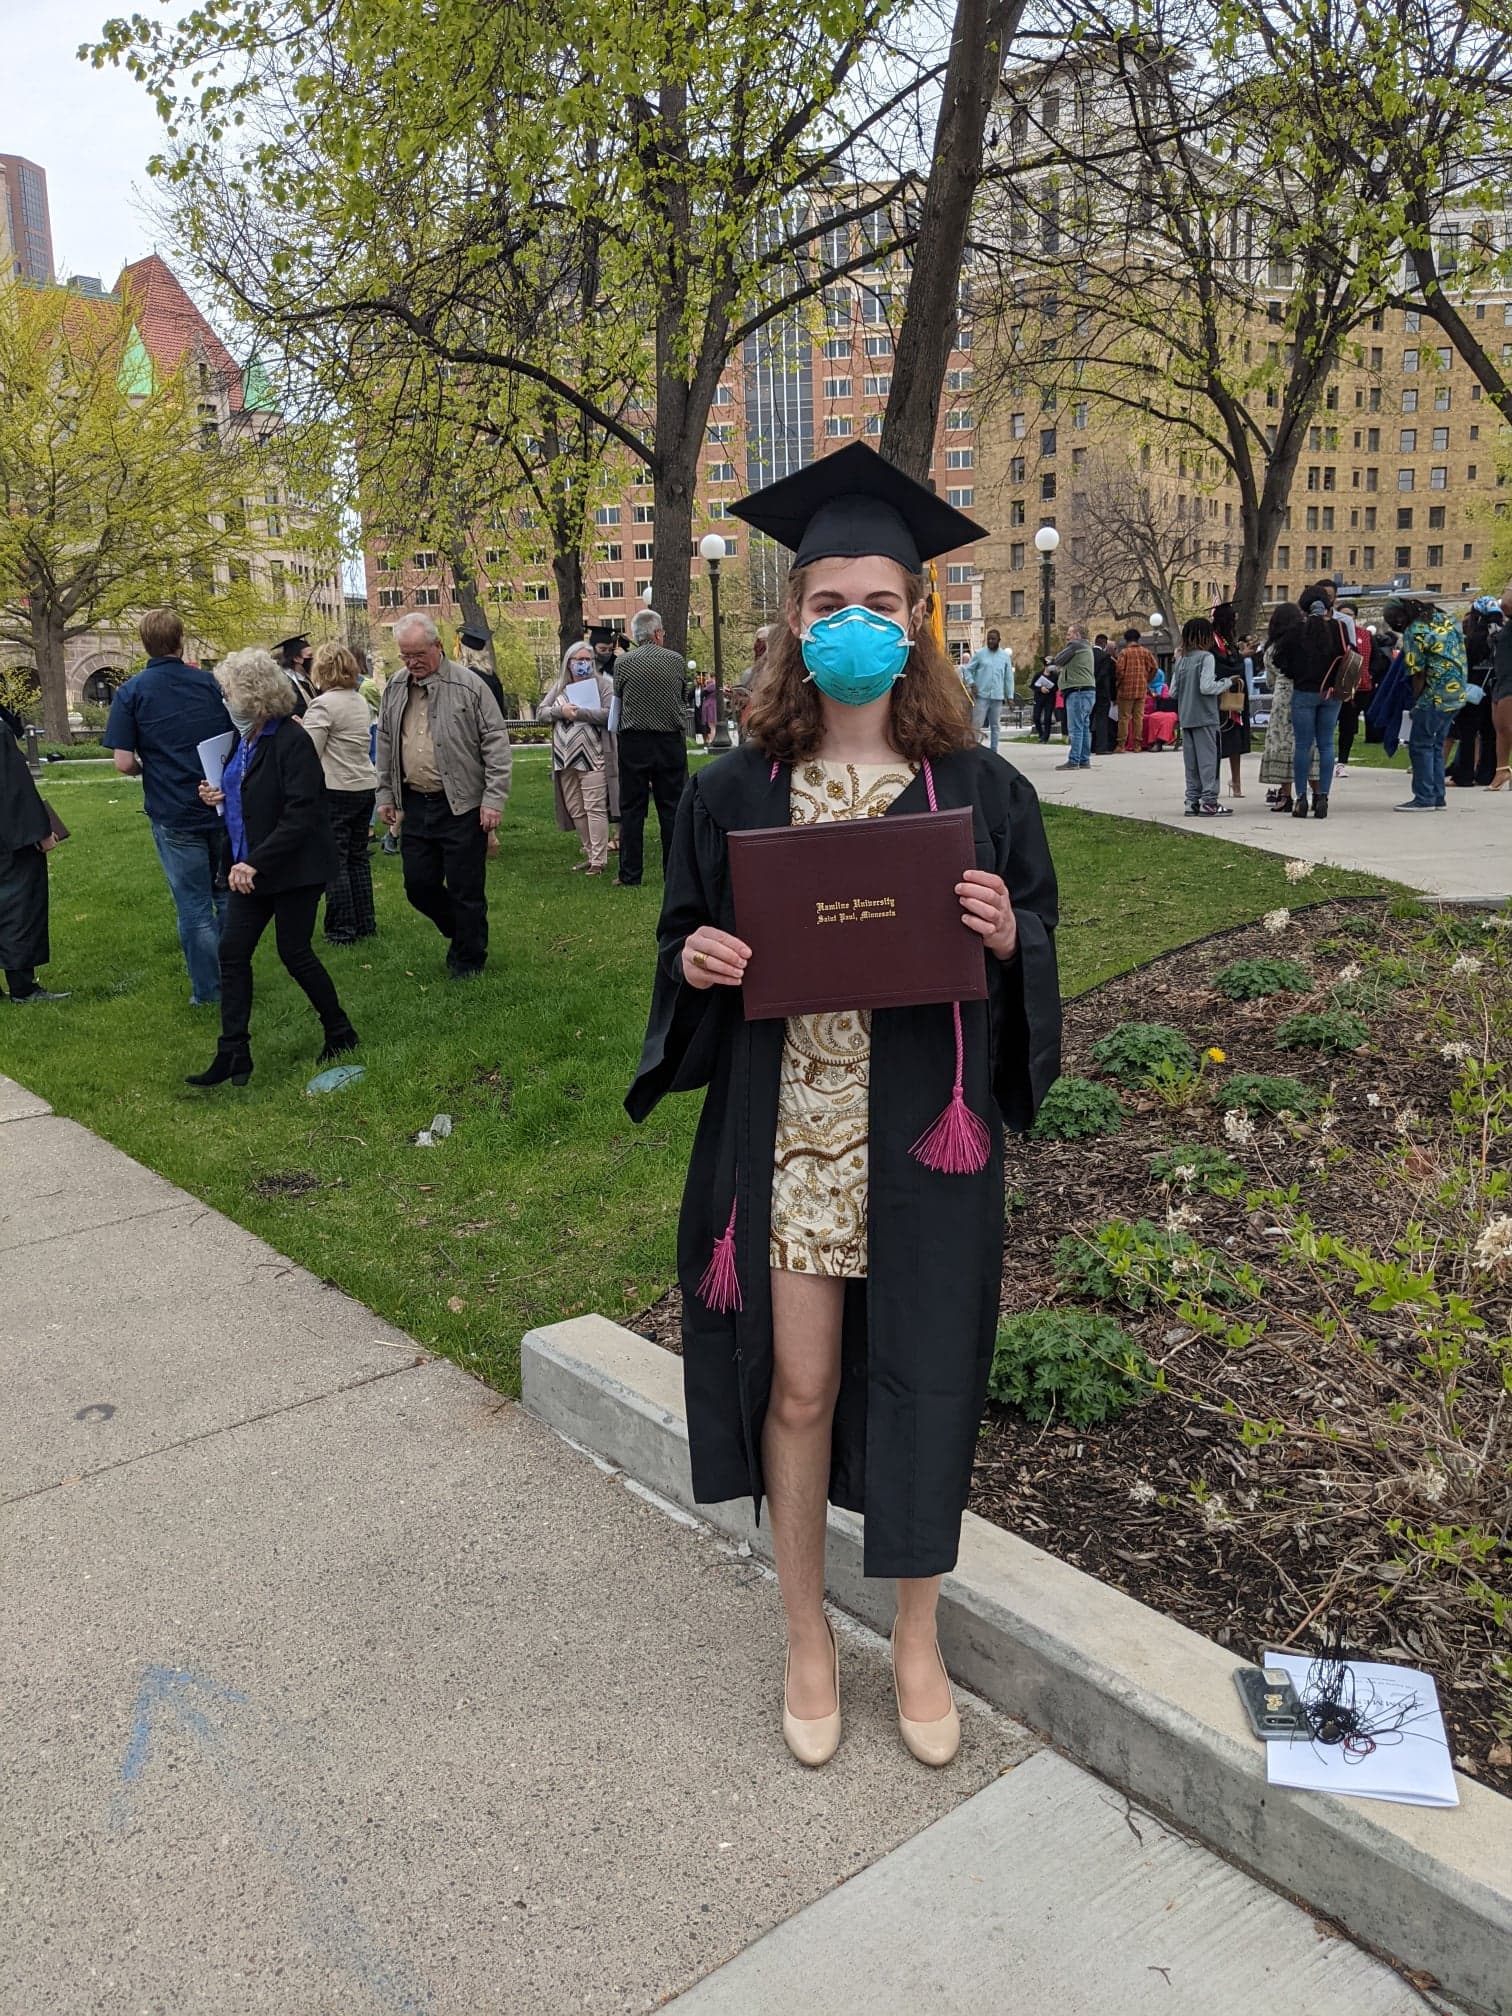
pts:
pixel 1501 721
pixel 1234 779
pixel 795 1458
pixel 923 1692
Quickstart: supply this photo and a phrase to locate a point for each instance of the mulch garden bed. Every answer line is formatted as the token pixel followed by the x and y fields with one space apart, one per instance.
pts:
pixel 1319 1447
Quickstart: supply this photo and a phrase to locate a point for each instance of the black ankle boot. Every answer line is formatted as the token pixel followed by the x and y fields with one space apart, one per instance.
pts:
pixel 1320 804
pixel 232 1063
pixel 340 1038
pixel 1299 807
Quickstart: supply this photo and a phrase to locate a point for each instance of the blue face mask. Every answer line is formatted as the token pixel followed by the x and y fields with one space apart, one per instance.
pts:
pixel 855 655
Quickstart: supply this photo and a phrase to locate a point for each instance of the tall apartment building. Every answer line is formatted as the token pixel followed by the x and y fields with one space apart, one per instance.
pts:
pixel 25 223
pixel 807 383
pixel 1393 488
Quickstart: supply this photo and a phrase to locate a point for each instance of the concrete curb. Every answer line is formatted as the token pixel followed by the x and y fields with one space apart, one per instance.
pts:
pixel 1135 1697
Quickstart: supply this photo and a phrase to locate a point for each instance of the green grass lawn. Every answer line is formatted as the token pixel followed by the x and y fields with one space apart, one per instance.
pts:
pixel 545 1201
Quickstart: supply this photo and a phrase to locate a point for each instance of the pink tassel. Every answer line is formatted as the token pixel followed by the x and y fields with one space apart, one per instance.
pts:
pixel 719 1289
pixel 958 1142
pixel 773 778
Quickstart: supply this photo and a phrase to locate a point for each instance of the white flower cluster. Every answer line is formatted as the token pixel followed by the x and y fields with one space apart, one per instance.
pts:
pixel 1406 1119
pixel 1466 963
pixel 1372 1098
pixel 1351 972
pixel 1214 1511
pixel 1185 1172
pixel 1298 871
pixel 1326 1123
pixel 1456 1053
pixel 1142 1491
pixel 1493 1249
pixel 1276 921
pixel 1239 1128
pixel 1427 1482
pixel 1500 920
pixel 1179 1217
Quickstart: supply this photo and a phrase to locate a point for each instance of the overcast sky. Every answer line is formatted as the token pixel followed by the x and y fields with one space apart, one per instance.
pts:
pixel 92 130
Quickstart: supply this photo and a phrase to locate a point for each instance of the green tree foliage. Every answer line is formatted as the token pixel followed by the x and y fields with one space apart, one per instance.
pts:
pixel 111 500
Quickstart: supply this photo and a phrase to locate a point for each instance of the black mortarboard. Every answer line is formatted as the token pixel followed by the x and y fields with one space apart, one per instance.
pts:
pixel 853 503
pixel 473 640
pixel 292 647
pixel 602 633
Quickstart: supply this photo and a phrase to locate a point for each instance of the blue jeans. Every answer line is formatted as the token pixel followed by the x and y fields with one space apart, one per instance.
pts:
pixel 1314 719
pixel 988 714
pixel 1079 704
pixel 196 863
pixel 1425 752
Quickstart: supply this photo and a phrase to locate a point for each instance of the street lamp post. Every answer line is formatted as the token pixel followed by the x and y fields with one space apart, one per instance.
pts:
pixel 1045 541
pixel 713 549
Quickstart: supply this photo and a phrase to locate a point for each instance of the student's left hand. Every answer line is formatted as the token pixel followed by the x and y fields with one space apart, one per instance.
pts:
pixel 488 818
pixel 243 875
pixel 987 909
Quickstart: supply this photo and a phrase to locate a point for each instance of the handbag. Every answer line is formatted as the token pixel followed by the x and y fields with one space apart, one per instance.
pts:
pixel 1230 702
pixel 1343 678
pixel 56 829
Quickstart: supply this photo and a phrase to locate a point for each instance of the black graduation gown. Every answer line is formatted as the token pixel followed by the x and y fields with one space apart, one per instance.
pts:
pixel 918 1333
pixel 23 866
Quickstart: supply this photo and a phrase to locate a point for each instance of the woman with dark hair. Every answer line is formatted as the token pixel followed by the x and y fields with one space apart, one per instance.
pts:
pixel 840 1256
pixel 1500 694
pixel 1276 756
pixel 27 837
pixel 1310 656
pixel 1234 700
pixel 1474 733
pixel 1433 654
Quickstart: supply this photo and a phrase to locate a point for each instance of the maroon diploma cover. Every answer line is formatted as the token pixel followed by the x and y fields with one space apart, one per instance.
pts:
pixel 856 913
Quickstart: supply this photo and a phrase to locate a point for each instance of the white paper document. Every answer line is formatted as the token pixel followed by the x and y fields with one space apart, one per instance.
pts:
pixel 584 693
pixel 612 725
pixel 212 755
pixel 1410 1765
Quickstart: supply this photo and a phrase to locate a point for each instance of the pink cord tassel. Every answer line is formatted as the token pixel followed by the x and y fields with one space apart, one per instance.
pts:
pixel 719 1289
pixel 959 1141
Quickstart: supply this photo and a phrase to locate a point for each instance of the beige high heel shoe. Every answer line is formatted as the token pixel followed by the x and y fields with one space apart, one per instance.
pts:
pixel 815 1741
pixel 1499 781
pixel 935 1742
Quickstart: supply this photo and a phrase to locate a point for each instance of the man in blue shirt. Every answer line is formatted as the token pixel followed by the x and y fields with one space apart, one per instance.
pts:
pixel 157 721
pixel 989 674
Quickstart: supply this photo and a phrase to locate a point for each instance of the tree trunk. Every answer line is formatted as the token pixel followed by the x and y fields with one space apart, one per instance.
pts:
pixel 47 643
pixel 928 329
pixel 465 587
pixel 567 568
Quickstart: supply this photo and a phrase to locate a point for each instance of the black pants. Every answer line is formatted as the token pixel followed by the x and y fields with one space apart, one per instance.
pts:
pixel 651 765
pixel 349 894
pixel 1349 722
pixel 1044 715
pixel 1475 753
pixel 445 857
pixel 292 915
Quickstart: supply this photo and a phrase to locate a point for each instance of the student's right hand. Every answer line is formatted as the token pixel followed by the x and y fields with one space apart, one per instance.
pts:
pixel 210 796
pixel 713 958
pixel 389 814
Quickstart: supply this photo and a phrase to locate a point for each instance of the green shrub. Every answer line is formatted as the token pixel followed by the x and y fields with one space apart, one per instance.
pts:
pixel 1387 970
pixel 1070 1363
pixel 1456 934
pixel 1194 1166
pixel 1143 1263
pixel 1134 1049
pixel 1253 979
pixel 1360 997
pixel 1406 909
pixel 1333 1030
pixel 1257 1093
pixel 1075 1108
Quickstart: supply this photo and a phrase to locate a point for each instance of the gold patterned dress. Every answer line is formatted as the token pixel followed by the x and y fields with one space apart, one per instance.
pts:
pixel 819 1175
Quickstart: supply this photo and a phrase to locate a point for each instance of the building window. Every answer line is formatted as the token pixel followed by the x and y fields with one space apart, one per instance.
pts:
pixel 390 598
pixel 720 472
pixel 958 381
pixel 1409 360
pixel 872 424
pixel 1372 479
pixel 1310 559
pixel 1314 475
pixel 838 425
pixel 1438 477
pixel 1370 517
pixel 1442 395
pixel 643 588
pixel 1016 511
pixel 425 562
pixel 1403 559
pixel 536 591
pixel 1016 426
pixel 1373 440
pixel 1050 109
pixel 643 514
pixel 1016 556
pixel 1047 486
pixel 1016 602
pixel 1445 357
pixel 1312 517
pixel 721 431
pixel 959 458
pixel 958 420
pixel 960 500
pixel 425 598
pixel 957 612
pixel 609 551
pixel 1407 441
pixel 1406 479
pixel 644 550
pixel 959 572
pixel 837 388
pixel 1017 469
pixel 837 349
pixel 610 591
pixel 723 396
pixel 1404 518
pixel 718 508
pixel 1435 517
pixel 1412 321
pixel 607 514
pixel 1283 556
pixel 879 346
pixel 1328 517
pixel 877 386
pixel 1047 440
pixel 1434 557
pixel 1367 554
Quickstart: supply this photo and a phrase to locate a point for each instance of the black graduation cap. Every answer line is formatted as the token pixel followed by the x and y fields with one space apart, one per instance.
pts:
pixel 853 503
pixel 602 633
pixel 292 647
pixel 473 640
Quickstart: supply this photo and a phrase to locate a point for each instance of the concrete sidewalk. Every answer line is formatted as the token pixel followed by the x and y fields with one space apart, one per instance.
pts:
pixel 1463 852
pixel 334 1684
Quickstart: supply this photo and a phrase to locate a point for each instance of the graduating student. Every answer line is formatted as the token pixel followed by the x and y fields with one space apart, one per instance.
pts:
pixel 26 840
pixel 841 1240
pixel 477 656
pixel 297 656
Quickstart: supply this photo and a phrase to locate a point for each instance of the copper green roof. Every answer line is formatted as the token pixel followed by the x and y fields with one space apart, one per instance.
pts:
pixel 135 374
pixel 258 395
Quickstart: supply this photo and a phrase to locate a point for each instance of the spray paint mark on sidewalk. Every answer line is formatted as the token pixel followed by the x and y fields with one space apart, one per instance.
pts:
pixel 224 1726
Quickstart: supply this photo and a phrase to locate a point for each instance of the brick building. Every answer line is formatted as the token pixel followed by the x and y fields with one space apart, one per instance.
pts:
pixel 26 248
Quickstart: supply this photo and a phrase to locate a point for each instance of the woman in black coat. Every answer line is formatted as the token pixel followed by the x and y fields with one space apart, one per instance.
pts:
pixel 26 840
pixel 840 1257
pixel 283 854
pixel 1233 719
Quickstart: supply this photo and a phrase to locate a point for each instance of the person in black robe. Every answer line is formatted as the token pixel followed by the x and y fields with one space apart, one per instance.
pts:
pixel 477 655
pixel 296 655
pixel 868 1389
pixel 26 840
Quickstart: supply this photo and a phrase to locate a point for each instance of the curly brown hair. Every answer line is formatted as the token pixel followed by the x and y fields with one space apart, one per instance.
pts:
pixel 931 711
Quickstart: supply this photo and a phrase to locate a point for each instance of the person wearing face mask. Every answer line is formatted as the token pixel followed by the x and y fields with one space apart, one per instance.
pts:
pixel 157 721
pixel 840 1256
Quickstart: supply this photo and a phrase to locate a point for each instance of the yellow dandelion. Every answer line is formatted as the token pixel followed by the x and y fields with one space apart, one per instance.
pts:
pixel 1217 1056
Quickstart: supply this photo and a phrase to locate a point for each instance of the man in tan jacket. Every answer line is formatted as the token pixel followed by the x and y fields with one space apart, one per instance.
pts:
pixel 443 779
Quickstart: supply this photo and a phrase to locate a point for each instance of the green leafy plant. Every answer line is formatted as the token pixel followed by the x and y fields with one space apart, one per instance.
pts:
pixel 1361 997
pixel 1256 1092
pixel 1143 1263
pixel 1333 1030
pixel 1134 1050
pixel 1253 979
pixel 1075 1108
pixel 1194 1166
pixel 1071 1363
pixel 1407 909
